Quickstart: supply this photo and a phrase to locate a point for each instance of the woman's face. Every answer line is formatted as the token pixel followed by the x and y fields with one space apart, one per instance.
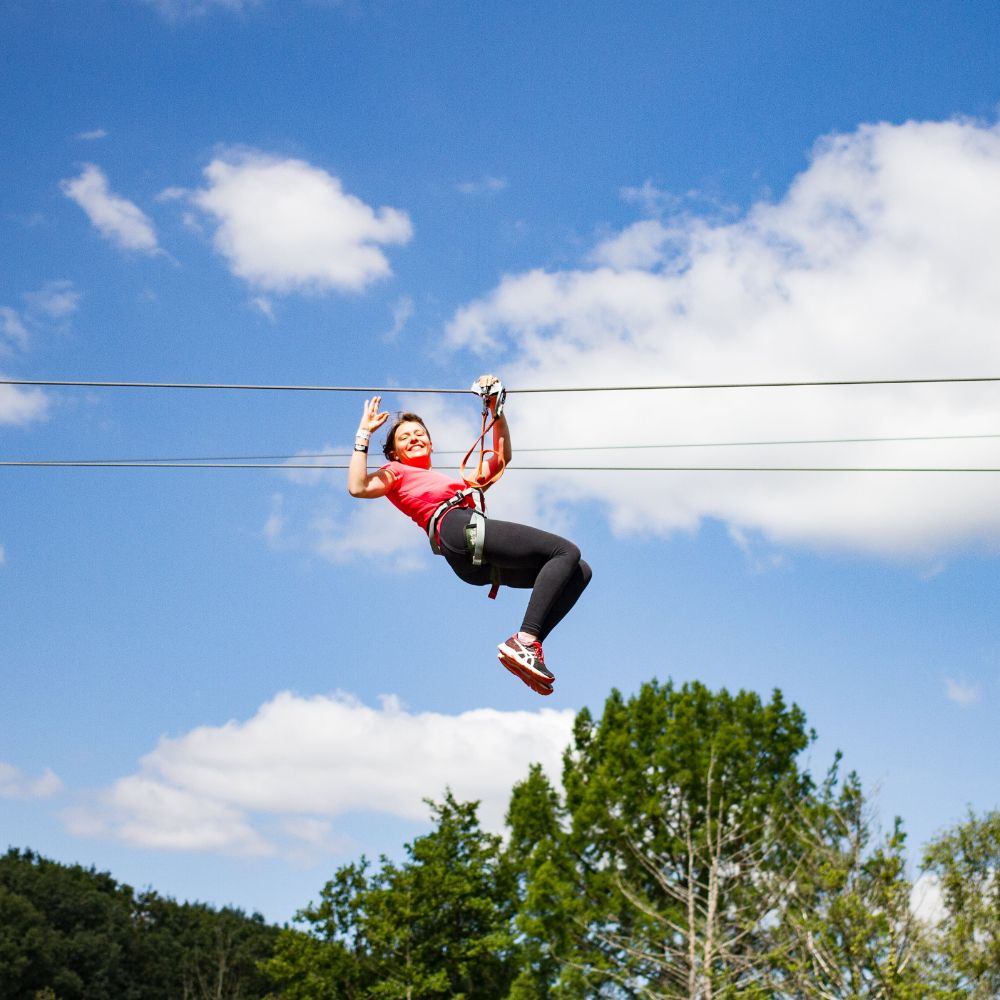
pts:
pixel 412 445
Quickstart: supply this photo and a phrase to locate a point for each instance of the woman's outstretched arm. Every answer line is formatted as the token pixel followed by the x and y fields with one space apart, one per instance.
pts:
pixel 361 483
pixel 501 430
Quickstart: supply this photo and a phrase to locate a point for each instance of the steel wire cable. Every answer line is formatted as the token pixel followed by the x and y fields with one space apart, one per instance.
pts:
pixel 103 384
pixel 314 466
pixel 284 459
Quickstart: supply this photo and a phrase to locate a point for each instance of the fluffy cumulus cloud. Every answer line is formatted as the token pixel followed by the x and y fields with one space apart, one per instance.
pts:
pixel 116 218
pixel 278 781
pixel 14 784
pixel 880 261
pixel 285 225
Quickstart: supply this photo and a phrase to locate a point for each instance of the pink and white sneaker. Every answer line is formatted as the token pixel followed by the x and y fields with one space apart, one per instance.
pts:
pixel 526 661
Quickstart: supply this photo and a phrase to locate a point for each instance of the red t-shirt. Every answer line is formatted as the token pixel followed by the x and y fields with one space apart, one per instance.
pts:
pixel 419 492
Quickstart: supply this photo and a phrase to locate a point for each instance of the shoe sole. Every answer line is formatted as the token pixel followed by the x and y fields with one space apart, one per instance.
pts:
pixel 527 678
pixel 510 655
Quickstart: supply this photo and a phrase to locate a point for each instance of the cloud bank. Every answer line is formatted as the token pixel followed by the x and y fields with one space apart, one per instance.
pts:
pixel 284 225
pixel 275 783
pixel 880 261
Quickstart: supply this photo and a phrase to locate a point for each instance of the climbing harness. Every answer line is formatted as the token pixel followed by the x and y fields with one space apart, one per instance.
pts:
pixel 476 485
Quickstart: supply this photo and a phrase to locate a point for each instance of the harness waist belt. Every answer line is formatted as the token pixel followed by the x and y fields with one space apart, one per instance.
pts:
pixel 475 531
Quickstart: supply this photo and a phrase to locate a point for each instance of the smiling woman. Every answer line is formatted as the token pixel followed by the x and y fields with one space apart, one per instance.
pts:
pixel 479 552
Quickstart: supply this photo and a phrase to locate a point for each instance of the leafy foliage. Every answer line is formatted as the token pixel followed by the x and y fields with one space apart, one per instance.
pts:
pixel 849 928
pixel 438 925
pixel 76 933
pixel 666 851
pixel 966 864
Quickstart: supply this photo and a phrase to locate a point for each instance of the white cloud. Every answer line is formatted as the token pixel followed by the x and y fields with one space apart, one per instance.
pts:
pixel 264 306
pixel 402 311
pixel 285 225
pixel 145 811
pixel 879 262
pixel 370 531
pixel 181 10
pixel 300 763
pixel 15 785
pixel 54 301
pixel 274 526
pixel 22 406
pixel 316 469
pixel 93 135
pixel 12 328
pixel 650 198
pixel 962 692
pixel 3 555
pixel 485 185
pixel 639 246
pixel 115 218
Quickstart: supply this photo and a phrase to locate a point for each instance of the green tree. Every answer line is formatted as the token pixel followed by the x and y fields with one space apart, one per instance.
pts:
pixel 965 861
pixel 65 928
pixel 669 852
pixel 849 930
pixel 71 932
pixel 534 819
pixel 195 952
pixel 437 925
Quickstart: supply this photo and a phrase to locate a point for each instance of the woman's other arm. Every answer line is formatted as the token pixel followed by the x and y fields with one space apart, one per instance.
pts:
pixel 360 482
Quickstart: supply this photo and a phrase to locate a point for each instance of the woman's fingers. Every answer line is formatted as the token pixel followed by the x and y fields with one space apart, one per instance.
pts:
pixel 371 419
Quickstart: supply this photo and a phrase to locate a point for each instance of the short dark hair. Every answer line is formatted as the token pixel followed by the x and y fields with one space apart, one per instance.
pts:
pixel 389 448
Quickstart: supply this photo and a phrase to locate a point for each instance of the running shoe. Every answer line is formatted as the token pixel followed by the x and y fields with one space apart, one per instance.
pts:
pixel 527 657
pixel 536 685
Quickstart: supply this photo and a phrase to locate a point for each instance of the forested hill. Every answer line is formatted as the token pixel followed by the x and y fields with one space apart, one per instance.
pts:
pixel 70 932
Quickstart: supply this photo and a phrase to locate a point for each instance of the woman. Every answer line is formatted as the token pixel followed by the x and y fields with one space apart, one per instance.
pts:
pixel 512 554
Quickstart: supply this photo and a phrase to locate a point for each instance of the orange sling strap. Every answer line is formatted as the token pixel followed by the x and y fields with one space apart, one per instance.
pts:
pixel 481 478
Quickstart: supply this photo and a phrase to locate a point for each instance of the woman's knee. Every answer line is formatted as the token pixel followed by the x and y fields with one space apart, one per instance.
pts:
pixel 569 550
pixel 586 574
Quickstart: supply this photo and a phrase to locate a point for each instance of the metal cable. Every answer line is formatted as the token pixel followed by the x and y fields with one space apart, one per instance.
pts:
pixel 94 384
pixel 523 468
pixel 232 459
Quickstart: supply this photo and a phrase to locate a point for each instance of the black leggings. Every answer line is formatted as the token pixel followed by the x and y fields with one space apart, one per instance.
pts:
pixel 526 558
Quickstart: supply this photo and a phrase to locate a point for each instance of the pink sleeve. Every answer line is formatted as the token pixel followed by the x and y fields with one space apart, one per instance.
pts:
pixel 393 484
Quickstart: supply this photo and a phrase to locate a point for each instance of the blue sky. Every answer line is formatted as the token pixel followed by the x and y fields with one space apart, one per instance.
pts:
pixel 225 683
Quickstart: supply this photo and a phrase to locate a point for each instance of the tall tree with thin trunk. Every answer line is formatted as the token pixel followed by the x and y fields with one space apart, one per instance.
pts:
pixel 670 852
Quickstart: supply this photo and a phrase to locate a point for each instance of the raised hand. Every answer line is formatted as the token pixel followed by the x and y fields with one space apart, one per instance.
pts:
pixel 371 418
